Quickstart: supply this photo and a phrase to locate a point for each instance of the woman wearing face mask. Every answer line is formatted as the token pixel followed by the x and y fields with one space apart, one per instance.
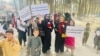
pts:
pixel 47 28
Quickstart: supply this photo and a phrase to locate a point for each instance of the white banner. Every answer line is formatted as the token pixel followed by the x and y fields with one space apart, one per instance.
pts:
pixel 75 31
pixel 19 26
pixel 25 13
pixel 41 9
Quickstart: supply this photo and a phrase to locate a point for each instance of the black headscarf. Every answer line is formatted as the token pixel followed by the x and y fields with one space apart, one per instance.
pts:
pixel 46 18
pixel 68 16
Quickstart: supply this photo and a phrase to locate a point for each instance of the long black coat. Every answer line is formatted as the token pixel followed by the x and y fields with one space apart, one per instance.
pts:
pixel 45 27
pixel 47 37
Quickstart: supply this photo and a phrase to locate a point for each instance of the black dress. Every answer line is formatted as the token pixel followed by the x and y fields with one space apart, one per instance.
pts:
pixel 47 37
pixel 59 41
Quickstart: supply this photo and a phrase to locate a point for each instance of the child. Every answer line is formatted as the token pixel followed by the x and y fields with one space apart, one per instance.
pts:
pixel 70 40
pixel 86 34
pixel 34 44
pixel 9 45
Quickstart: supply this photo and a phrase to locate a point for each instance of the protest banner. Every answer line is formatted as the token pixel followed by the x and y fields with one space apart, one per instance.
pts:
pixel 75 31
pixel 41 9
pixel 25 13
pixel 19 25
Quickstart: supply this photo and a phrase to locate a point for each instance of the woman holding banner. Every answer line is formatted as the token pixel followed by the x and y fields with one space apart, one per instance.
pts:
pixel 60 29
pixel 70 40
pixel 47 28
pixel 21 28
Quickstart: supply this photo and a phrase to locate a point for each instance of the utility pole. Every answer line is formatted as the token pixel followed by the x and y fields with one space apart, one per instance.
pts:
pixel 15 7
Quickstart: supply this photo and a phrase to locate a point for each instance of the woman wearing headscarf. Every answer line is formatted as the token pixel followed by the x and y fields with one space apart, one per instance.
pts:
pixel 47 28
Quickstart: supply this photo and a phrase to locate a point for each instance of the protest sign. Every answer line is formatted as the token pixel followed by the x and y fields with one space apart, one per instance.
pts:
pixel 41 9
pixel 75 31
pixel 25 13
pixel 19 25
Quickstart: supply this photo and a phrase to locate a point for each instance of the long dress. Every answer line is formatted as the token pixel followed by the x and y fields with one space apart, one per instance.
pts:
pixel 70 42
pixel 59 40
pixel 47 37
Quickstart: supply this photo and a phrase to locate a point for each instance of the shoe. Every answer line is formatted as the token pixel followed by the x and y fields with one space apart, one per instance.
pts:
pixel 24 43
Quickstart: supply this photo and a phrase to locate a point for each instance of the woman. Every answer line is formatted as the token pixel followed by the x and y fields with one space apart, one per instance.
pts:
pixel 40 26
pixel 31 25
pixel 86 34
pixel 70 40
pixel 60 29
pixel 47 28
pixel 21 27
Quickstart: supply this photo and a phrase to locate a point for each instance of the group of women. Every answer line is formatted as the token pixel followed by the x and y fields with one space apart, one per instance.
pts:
pixel 46 27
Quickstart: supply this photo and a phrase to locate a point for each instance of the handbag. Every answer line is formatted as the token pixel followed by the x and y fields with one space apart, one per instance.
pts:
pixel 63 35
pixel 41 33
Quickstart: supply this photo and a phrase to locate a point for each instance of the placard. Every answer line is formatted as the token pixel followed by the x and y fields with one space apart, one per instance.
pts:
pixel 41 9
pixel 75 31
pixel 25 13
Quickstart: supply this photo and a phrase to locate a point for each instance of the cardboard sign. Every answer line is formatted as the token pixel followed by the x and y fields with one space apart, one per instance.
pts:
pixel 25 13
pixel 19 26
pixel 41 9
pixel 75 31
